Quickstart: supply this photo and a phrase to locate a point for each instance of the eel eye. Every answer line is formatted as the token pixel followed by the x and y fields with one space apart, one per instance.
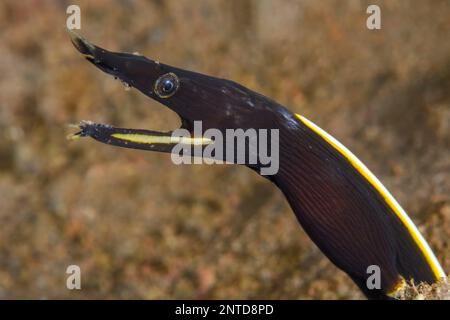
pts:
pixel 166 85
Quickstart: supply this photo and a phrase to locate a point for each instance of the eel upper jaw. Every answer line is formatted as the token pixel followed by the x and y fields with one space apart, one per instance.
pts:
pixel 108 62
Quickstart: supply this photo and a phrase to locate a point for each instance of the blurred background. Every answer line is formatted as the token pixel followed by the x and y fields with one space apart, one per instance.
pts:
pixel 141 227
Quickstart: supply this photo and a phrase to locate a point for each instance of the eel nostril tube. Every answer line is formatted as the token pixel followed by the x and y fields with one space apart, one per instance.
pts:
pixel 81 44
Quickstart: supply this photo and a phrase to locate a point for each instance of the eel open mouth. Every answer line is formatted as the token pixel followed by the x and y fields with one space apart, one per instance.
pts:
pixel 147 76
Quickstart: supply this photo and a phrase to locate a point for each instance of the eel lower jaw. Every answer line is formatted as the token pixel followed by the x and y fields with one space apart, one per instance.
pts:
pixel 135 138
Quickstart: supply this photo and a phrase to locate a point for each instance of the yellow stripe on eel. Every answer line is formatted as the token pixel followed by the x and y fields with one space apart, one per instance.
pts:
pixel 147 139
pixel 393 204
